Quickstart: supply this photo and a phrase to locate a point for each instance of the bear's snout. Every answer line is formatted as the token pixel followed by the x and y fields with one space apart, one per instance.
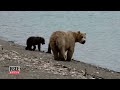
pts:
pixel 43 43
pixel 83 42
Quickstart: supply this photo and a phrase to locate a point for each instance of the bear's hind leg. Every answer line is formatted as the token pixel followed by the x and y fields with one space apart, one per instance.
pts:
pixel 69 55
pixel 55 53
pixel 29 47
pixel 49 49
pixel 34 47
pixel 62 55
pixel 26 48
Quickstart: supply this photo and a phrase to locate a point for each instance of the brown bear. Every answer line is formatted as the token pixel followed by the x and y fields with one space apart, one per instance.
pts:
pixel 62 42
pixel 33 41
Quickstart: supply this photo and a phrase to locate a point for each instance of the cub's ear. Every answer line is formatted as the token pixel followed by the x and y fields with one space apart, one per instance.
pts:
pixel 40 38
pixel 78 32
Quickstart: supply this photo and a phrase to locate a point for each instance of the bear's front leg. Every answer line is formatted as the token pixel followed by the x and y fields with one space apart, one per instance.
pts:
pixel 39 47
pixel 49 49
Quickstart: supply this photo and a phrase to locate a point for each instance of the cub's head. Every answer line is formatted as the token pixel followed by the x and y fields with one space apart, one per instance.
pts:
pixel 42 40
pixel 81 37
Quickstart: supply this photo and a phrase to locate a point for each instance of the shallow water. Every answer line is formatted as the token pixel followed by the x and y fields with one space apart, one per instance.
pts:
pixel 102 27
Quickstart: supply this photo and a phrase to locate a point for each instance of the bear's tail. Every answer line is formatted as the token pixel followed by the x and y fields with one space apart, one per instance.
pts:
pixel 49 49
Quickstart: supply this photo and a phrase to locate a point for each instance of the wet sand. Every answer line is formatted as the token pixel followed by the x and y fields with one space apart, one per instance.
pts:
pixel 41 65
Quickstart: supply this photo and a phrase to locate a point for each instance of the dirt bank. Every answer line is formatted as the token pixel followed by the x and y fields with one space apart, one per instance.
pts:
pixel 40 65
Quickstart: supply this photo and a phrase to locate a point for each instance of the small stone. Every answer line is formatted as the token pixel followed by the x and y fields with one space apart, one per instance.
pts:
pixel 97 72
pixel 64 67
pixel 40 58
pixel 14 58
pixel 2 58
pixel 6 56
pixel 112 72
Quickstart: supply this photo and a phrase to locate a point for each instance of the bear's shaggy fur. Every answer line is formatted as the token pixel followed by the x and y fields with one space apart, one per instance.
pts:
pixel 33 41
pixel 62 42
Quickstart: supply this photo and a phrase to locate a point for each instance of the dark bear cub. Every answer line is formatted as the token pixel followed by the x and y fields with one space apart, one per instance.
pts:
pixel 33 41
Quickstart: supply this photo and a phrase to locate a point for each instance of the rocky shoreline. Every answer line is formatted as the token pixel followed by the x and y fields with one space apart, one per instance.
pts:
pixel 40 65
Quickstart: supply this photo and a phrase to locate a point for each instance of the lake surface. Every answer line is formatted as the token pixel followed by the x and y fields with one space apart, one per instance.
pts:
pixel 102 47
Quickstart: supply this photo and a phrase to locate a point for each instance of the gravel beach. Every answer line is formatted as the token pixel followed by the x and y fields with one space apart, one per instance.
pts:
pixel 41 65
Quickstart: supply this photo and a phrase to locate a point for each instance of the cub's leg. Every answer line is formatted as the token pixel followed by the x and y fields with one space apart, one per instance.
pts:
pixel 34 47
pixel 29 47
pixel 39 47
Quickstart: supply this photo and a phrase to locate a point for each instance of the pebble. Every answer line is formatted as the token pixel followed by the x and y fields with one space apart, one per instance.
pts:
pixel 2 58
pixel 97 72
pixel 6 56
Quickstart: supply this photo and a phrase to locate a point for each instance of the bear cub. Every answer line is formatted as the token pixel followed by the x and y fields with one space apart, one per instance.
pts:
pixel 33 41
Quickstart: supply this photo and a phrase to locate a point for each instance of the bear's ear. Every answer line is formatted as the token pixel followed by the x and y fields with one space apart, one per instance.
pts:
pixel 40 38
pixel 78 32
